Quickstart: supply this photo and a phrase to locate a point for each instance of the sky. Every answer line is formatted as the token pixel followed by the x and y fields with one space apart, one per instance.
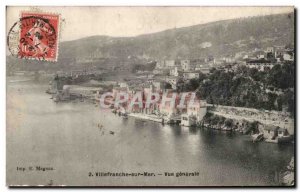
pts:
pixel 80 22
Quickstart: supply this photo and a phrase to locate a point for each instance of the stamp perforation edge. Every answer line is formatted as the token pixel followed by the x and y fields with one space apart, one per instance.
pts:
pixel 58 33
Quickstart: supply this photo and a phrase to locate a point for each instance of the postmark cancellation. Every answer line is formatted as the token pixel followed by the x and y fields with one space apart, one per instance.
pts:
pixel 35 36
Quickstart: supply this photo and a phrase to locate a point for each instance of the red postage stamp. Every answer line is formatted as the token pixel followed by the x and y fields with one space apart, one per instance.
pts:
pixel 38 36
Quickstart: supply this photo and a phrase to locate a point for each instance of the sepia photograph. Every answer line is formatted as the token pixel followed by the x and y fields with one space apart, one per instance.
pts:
pixel 150 96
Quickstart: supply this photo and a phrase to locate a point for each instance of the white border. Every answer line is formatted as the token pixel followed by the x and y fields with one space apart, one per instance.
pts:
pixel 3 4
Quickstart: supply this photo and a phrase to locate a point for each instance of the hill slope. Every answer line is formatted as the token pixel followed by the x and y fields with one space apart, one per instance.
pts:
pixel 218 38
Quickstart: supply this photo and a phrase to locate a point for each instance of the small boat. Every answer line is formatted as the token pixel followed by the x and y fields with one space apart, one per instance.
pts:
pixel 257 137
pixel 206 125
pixel 56 99
pixel 225 128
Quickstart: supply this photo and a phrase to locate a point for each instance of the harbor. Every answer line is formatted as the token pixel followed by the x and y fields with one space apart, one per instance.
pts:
pixel 182 96
pixel 76 132
pixel 269 126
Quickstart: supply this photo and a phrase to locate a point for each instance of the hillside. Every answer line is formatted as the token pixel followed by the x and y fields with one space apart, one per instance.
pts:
pixel 218 39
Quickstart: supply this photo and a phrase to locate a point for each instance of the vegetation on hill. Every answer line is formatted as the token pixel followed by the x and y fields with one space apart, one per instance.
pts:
pixel 270 90
pixel 217 38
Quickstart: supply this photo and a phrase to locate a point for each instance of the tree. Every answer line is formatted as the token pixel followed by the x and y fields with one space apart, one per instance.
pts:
pixel 289 100
pixel 254 74
pixel 202 76
pixel 192 85
pixel 229 122
pixel 168 85
pixel 222 120
pixel 180 85
pixel 215 120
pixel 254 126
pixel 247 87
pixel 279 104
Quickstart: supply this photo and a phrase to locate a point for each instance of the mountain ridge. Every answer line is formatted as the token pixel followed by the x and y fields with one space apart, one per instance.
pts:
pixel 218 38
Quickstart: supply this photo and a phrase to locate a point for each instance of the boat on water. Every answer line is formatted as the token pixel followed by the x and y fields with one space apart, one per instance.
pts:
pixel 206 125
pixel 226 129
pixel 124 116
pixel 257 137
pixel 50 91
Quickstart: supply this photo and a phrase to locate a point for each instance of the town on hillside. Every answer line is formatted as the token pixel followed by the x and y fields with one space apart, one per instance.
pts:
pixel 249 92
pixel 151 96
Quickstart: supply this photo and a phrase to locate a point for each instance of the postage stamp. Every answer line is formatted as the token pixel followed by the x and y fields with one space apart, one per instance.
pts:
pixel 35 36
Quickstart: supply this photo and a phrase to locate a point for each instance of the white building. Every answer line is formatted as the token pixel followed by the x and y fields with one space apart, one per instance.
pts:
pixel 270 50
pixel 160 64
pixel 174 72
pixel 185 65
pixel 158 85
pixel 260 66
pixel 194 113
pixel 173 81
pixel 288 57
pixel 170 63
pixel 190 75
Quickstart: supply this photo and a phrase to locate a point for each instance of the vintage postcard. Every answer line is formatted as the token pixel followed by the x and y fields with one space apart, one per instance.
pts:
pixel 150 96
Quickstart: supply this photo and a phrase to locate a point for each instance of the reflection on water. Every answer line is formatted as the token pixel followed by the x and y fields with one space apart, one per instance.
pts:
pixel 74 138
